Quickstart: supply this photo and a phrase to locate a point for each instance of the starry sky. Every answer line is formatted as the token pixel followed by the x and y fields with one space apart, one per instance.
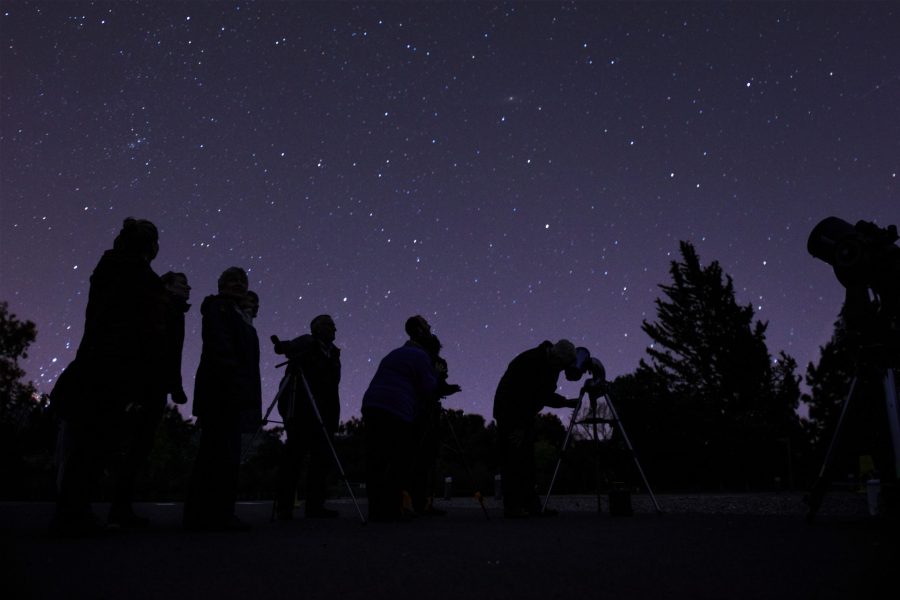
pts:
pixel 513 172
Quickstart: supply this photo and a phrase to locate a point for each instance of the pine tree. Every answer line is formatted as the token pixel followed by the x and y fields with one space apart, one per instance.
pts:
pixel 727 402
pixel 829 383
pixel 15 337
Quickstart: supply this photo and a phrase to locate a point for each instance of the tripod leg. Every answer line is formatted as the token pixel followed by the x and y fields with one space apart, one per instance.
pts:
pixel 337 461
pixel 563 449
pixel 637 463
pixel 595 438
pixel 893 415
pixel 817 493
pixel 262 424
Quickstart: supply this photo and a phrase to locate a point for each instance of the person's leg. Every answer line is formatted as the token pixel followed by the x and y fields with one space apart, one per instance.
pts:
pixel 139 435
pixel 386 466
pixel 514 463
pixel 77 461
pixel 289 471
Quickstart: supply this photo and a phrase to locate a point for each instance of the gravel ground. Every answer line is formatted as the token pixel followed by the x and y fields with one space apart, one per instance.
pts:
pixel 705 547
pixel 838 503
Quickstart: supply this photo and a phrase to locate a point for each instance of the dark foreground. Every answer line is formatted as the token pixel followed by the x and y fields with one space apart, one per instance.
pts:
pixel 700 548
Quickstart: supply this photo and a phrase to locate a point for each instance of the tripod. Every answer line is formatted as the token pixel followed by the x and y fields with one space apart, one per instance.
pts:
pixel 886 376
pixel 288 385
pixel 595 390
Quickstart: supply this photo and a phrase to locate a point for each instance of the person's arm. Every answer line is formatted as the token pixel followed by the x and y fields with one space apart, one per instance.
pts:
pixel 558 401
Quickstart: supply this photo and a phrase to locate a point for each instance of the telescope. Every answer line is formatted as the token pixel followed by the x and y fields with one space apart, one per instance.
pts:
pixel 595 386
pixel 866 261
pixel 862 255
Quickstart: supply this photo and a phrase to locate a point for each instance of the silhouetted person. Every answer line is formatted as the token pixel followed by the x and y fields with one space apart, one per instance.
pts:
pixel 250 305
pixel 404 382
pixel 142 418
pixel 227 402
pixel 315 357
pixel 527 386
pixel 250 417
pixel 427 430
pixel 117 364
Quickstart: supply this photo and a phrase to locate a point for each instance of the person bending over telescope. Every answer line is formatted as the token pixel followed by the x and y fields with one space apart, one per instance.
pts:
pixel 527 386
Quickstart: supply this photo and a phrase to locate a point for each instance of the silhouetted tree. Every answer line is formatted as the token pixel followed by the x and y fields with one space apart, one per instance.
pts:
pixel 829 382
pixel 349 443
pixel 259 469
pixel 467 452
pixel 865 430
pixel 723 399
pixel 15 337
pixel 27 428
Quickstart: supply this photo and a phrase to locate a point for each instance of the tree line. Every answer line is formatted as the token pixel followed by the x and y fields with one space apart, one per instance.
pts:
pixel 708 409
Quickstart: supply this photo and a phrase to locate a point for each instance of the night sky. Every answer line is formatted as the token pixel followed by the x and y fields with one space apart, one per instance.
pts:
pixel 512 171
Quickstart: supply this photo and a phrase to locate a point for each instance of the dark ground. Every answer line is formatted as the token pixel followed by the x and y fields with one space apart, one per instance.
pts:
pixel 702 547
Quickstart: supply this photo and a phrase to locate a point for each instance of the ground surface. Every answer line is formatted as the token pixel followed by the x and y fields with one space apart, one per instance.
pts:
pixel 701 547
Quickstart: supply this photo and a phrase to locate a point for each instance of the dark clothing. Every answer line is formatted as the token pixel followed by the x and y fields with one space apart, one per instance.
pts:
pixel 117 366
pixel 404 380
pixel 227 401
pixel 304 438
pixel 138 434
pixel 212 492
pixel 174 343
pixel 121 350
pixel 401 388
pixel 321 366
pixel 387 442
pixel 527 386
pixel 141 420
pixel 426 437
pixel 228 380
pixel 427 440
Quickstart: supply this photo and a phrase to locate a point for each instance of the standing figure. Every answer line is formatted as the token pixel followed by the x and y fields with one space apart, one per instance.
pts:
pixel 142 418
pixel 427 434
pixel 227 402
pixel 527 386
pixel 250 306
pixel 315 358
pixel 117 365
pixel 404 382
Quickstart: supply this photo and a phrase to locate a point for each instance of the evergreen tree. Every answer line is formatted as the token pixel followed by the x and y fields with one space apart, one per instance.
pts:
pixel 725 403
pixel 27 429
pixel 829 383
pixel 15 337
pixel 865 435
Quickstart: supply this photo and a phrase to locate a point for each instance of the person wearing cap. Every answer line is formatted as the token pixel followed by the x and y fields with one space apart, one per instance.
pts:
pixel 528 385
